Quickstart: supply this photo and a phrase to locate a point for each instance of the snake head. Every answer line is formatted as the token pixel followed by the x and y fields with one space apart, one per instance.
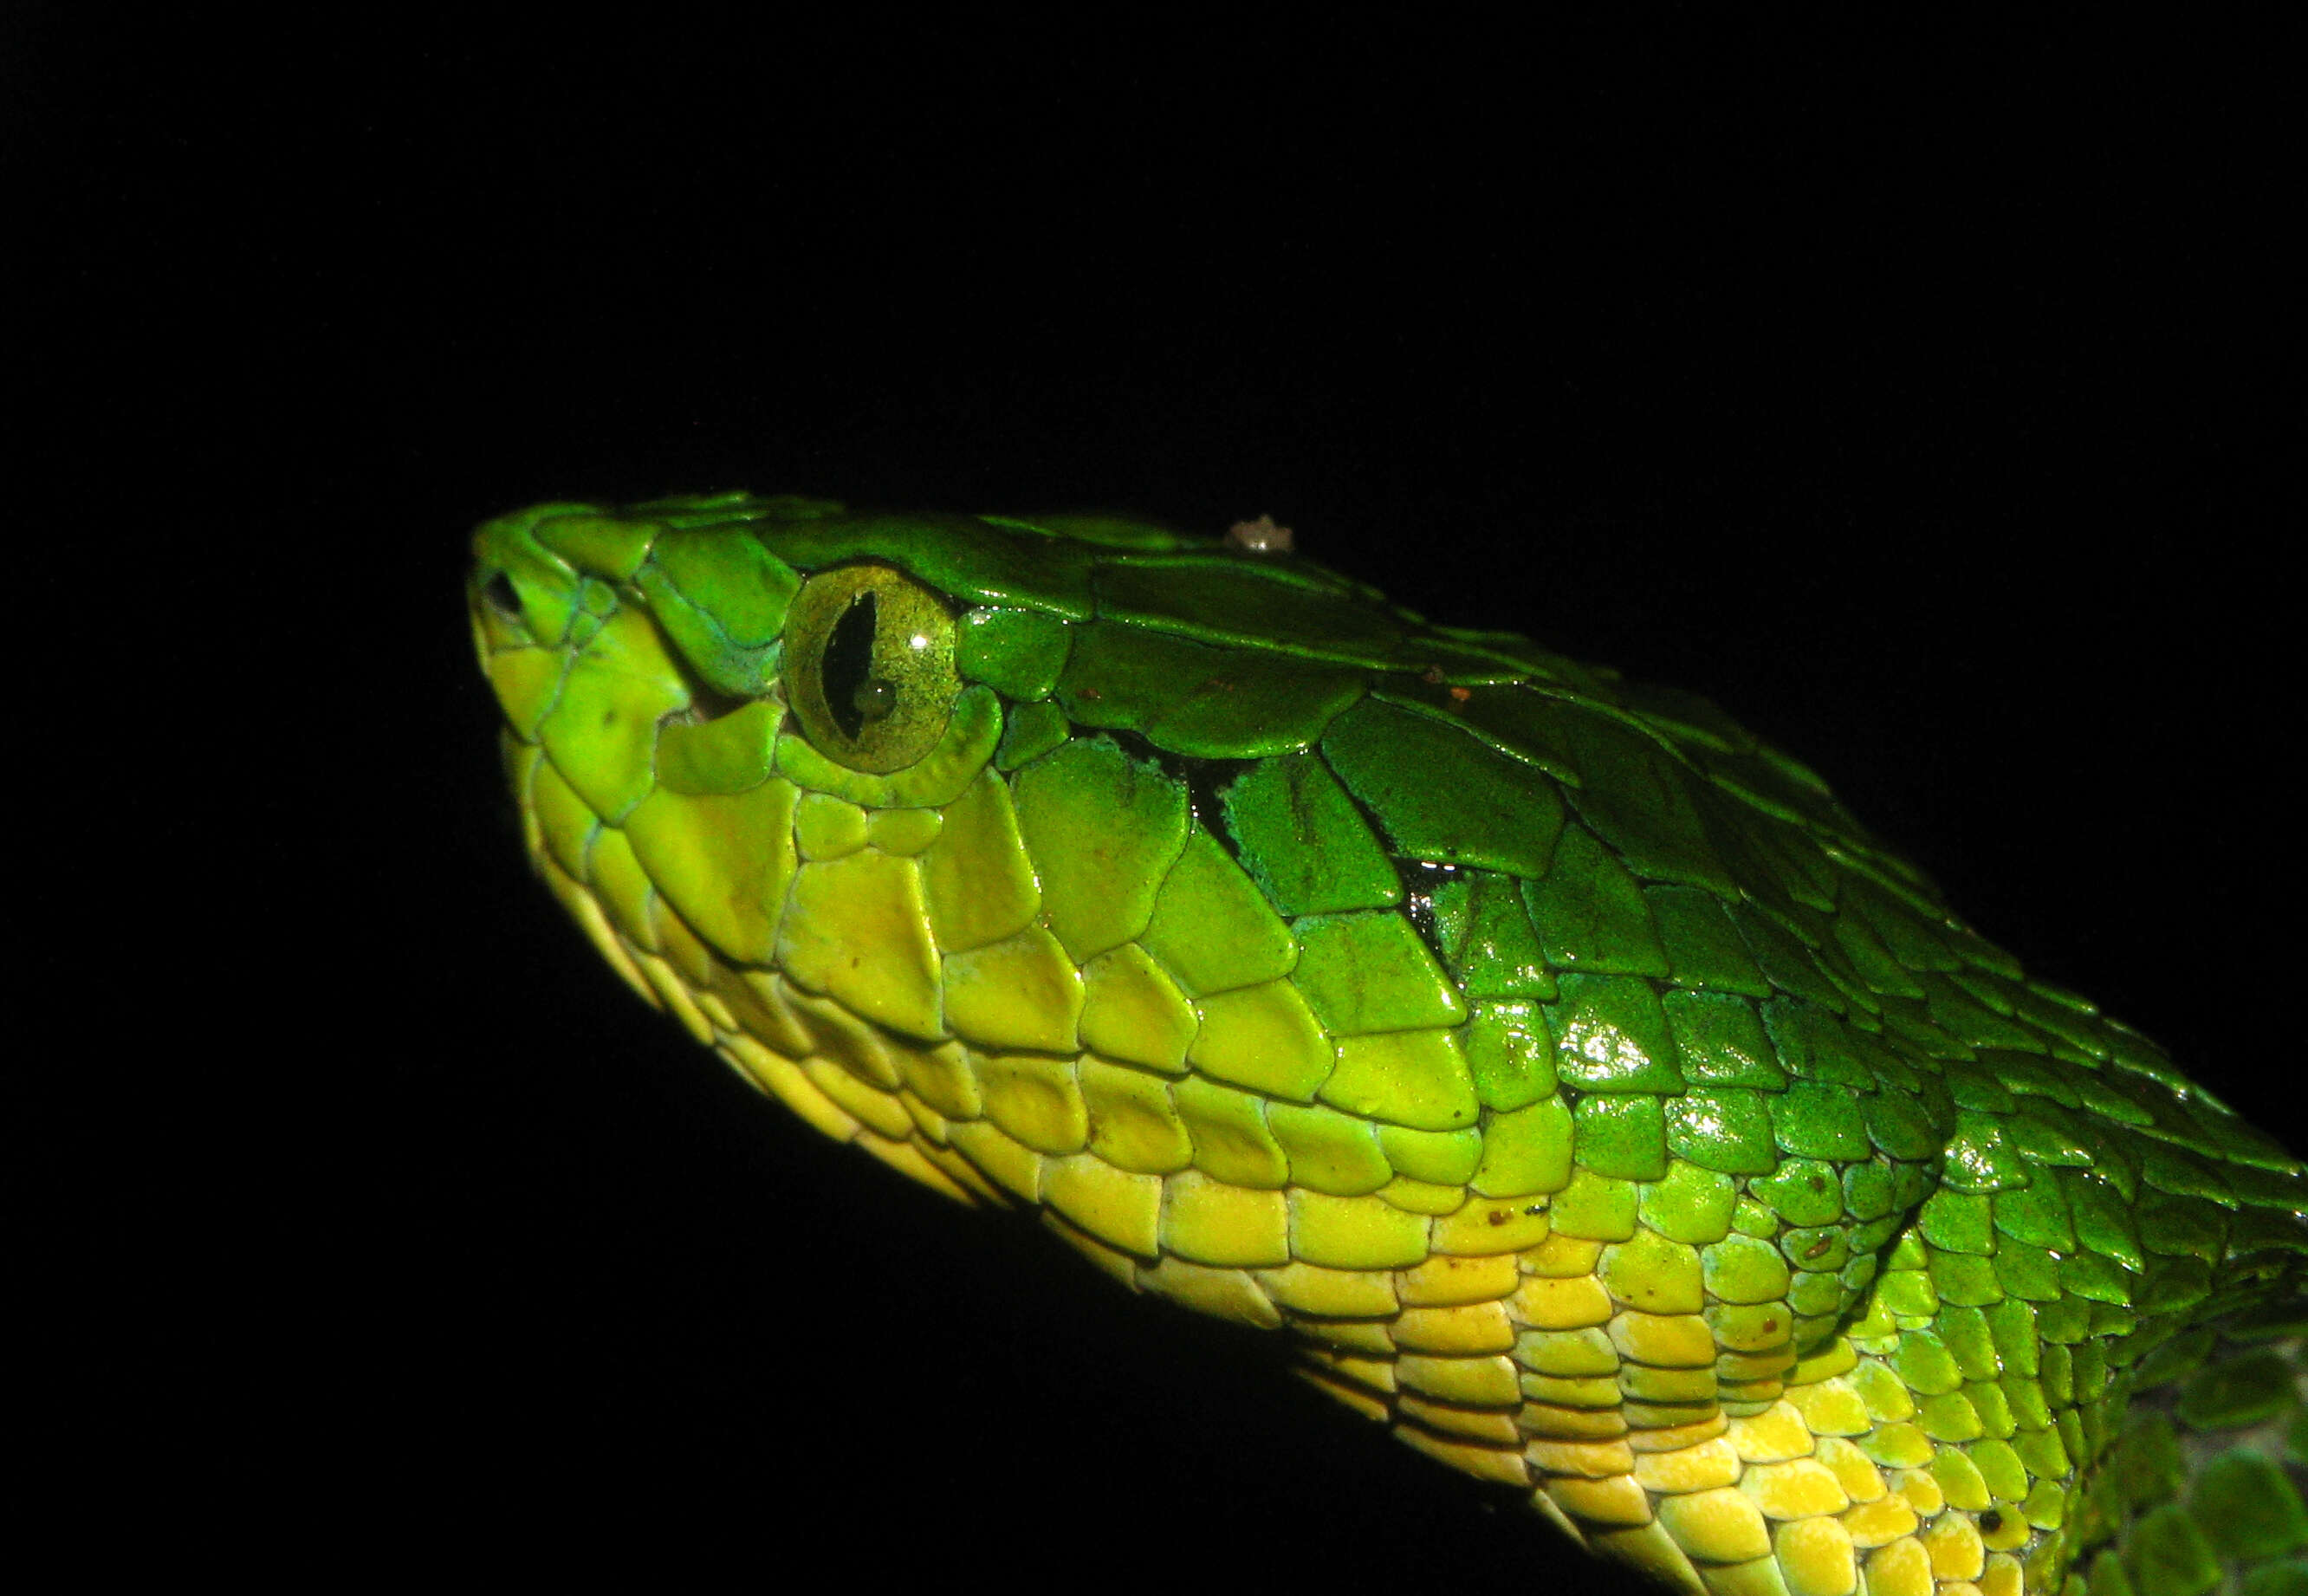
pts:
pixel 738 726
pixel 1607 1109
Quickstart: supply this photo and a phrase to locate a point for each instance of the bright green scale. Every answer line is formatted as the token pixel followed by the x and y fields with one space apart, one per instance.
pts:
pixel 1603 1108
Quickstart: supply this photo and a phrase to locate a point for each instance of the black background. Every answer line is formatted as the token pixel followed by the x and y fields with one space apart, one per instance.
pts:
pixel 1929 398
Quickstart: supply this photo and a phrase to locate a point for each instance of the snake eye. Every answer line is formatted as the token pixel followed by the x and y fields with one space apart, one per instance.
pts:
pixel 869 667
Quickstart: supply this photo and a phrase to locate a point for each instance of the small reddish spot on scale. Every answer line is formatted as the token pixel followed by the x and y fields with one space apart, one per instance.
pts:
pixel 1499 1216
pixel 1091 693
pixel 1432 676
pixel 1460 695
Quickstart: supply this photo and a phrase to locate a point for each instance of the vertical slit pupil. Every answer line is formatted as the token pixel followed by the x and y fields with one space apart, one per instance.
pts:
pixel 848 666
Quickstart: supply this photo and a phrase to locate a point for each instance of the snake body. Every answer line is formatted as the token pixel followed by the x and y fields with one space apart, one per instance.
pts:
pixel 1604 1108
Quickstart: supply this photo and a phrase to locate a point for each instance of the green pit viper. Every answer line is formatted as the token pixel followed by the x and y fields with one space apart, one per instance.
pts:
pixel 1603 1108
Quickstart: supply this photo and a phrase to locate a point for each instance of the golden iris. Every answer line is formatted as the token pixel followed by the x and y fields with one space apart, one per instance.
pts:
pixel 869 667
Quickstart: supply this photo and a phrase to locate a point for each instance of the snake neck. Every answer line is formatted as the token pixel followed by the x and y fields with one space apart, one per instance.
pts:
pixel 2201 1485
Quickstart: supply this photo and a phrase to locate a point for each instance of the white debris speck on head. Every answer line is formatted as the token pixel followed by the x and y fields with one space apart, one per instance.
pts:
pixel 1260 537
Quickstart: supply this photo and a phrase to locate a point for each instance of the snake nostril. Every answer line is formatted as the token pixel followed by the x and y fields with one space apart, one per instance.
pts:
pixel 502 597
